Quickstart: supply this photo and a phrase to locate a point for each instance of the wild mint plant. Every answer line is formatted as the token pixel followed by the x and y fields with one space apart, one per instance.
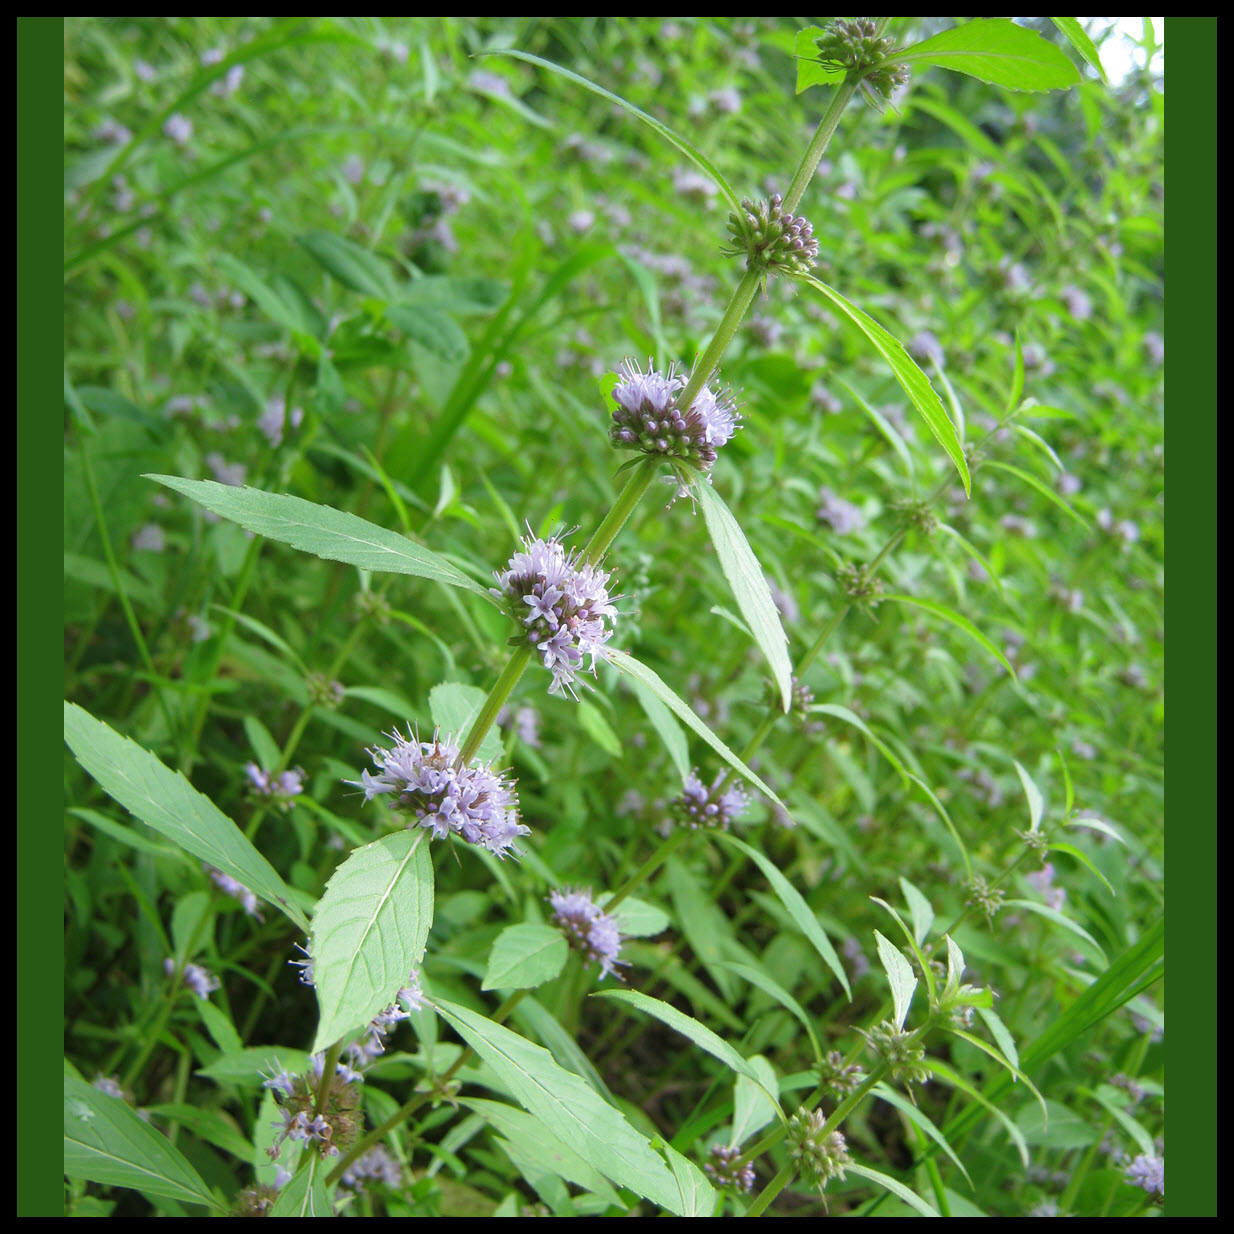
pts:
pixel 786 732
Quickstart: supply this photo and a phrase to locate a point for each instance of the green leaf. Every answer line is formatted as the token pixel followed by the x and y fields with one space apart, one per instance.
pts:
pixel 899 976
pixel 756 977
pixel 567 1106
pixel 1000 1033
pixel 128 835
pixel 165 800
pixel 752 1108
pixel 369 931
pixel 525 956
pixel 434 331
pixel 1060 846
pixel 244 1068
pixel 550 1153
pixel 696 1197
pixel 598 728
pixel 707 1041
pixel 749 583
pixel 639 672
pixel 351 265
pixel 1076 36
pixel 1096 824
pixel 1036 806
pixel 810 72
pixel 918 1119
pixel 911 1198
pixel 700 161
pixel 1048 493
pixel 105 1142
pixel 454 708
pixel 997 51
pixel 637 918
pixel 915 383
pixel 920 909
pixel 663 722
pixel 961 623
pixel 849 717
pixel 304 1195
pixel 797 908
pixel 455 295
pixel 209 1125
pixel 321 530
pixel 1043 910
pixel 271 303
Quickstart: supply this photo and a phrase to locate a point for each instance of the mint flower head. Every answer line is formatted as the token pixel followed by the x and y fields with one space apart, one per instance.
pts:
pixel 588 928
pixel 563 604
pixel 771 238
pixel 425 781
pixel 856 47
pixel 649 417
pixel 714 808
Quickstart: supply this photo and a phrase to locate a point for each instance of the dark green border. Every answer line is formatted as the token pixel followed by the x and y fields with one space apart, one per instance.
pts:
pixel 1191 633
pixel 39 648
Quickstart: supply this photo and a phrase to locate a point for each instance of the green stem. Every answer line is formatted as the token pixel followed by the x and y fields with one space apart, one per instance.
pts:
pixel 733 315
pixel 649 867
pixel 515 667
pixel 629 497
pixel 327 1075
pixel 818 146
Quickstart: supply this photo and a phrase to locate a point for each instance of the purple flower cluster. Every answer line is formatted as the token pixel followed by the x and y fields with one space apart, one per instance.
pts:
pixel 373 1044
pixel 283 788
pixel 589 930
pixel 724 1171
pixel 562 601
pixel 841 516
pixel 1148 1171
pixel 376 1164
pixel 649 419
pixel 200 980
pixel 232 887
pixel 475 803
pixel 714 807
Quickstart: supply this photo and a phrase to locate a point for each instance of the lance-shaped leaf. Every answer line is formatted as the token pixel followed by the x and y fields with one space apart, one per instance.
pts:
pixel 568 1107
pixel 352 265
pixel 899 976
pixel 304 1195
pixel 1078 38
pixel 369 931
pixel 640 672
pixel 749 583
pixel 321 530
pixel 997 51
pixel 166 801
pixel 915 383
pixel 105 1142
pixel 961 623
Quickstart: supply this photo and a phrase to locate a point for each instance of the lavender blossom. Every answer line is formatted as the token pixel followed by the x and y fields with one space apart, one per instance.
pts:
pixel 178 128
pixel 924 345
pixel 378 1165
pixel 149 539
pixel 716 807
pixel 588 929
pixel 841 516
pixel 724 1171
pixel 561 601
pixel 200 980
pixel 230 886
pixel 1147 1171
pixel 473 802
pixel 110 1085
pixel 284 788
pixel 648 417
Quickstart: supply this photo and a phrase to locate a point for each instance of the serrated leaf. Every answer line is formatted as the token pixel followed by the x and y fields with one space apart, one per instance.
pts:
pixel 900 977
pixel 525 956
pixel 997 51
pixel 454 707
pixel 918 1119
pixel 351 265
pixel 640 672
pixel 304 1195
pixel 1036 806
pixel 105 1142
pixel 797 908
pixel 434 331
pixel 914 382
pixel 568 1107
pixel 1000 1033
pixel 369 931
pixel 321 530
pixel 637 918
pixel 165 800
pixel 1043 910
pixel 1096 824
pixel 1060 846
pixel 696 1196
pixel 749 583
pixel 756 977
pixel 961 623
